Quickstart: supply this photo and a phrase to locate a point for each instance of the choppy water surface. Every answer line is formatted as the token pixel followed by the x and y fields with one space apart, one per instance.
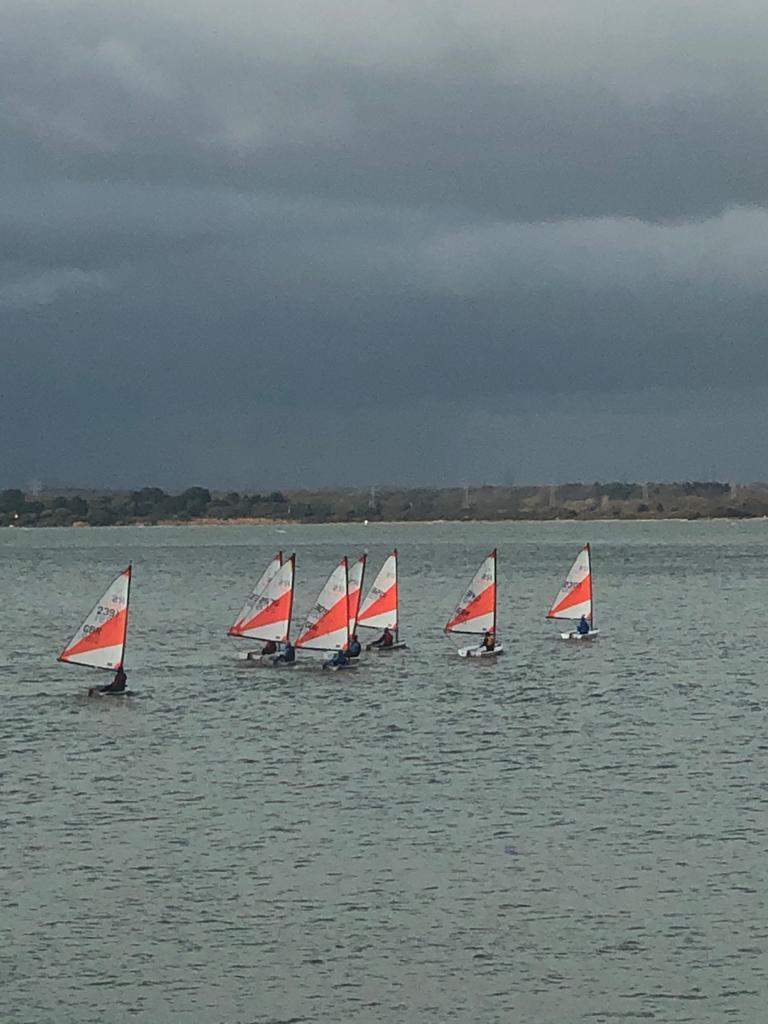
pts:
pixel 576 833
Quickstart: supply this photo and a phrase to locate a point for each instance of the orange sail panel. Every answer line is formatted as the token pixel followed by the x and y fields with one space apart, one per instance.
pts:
pixel 268 615
pixel 476 611
pixel 379 609
pixel 574 598
pixel 327 625
pixel 100 640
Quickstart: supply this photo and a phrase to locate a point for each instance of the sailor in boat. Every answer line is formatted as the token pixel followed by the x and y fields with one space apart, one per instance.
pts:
pixel 385 640
pixel 339 660
pixel 270 647
pixel 287 656
pixel 117 685
pixel 583 627
pixel 489 641
pixel 354 648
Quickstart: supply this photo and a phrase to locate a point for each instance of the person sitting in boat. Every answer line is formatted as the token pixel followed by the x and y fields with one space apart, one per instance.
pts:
pixel 287 656
pixel 489 641
pixel 354 648
pixel 270 647
pixel 385 640
pixel 583 627
pixel 339 659
pixel 117 685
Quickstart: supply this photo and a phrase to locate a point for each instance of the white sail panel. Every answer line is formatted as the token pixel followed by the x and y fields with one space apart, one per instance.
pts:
pixel 355 587
pixel 379 610
pixel 252 603
pixel 100 640
pixel 269 615
pixel 574 598
pixel 476 611
pixel 327 625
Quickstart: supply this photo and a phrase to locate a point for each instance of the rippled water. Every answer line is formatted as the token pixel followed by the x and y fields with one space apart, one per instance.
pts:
pixel 576 833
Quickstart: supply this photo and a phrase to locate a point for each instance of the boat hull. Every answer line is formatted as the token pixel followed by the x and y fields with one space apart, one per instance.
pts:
pixel 575 635
pixel 480 652
pixel 401 645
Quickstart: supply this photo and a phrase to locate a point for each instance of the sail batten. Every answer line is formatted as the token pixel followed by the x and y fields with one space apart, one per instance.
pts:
pixel 574 598
pixel 379 609
pixel 327 625
pixel 476 611
pixel 267 614
pixel 100 640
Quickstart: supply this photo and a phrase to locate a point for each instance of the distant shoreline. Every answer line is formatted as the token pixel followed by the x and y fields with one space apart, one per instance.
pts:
pixel 576 502
pixel 261 521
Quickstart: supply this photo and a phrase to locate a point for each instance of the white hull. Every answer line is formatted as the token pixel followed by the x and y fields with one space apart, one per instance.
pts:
pixel 480 652
pixel 93 692
pixel 575 635
pixel 339 668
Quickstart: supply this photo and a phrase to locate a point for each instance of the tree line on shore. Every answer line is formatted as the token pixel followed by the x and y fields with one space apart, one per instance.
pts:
pixel 616 500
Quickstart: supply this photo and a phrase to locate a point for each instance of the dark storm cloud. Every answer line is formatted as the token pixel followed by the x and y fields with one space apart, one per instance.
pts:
pixel 440 218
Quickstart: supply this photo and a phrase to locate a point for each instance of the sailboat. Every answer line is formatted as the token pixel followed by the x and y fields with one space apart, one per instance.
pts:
pixel 327 625
pixel 355 577
pixel 574 598
pixel 476 611
pixel 100 640
pixel 267 613
pixel 380 609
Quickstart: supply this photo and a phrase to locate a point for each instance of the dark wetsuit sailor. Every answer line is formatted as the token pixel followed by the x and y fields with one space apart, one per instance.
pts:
pixel 287 656
pixel 489 641
pixel 339 658
pixel 385 640
pixel 354 647
pixel 583 627
pixel 117 685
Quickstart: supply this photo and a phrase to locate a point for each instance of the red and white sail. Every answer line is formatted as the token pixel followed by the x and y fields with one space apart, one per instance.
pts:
pixel 379 609
pixel 267 615
pixel 476 611
pixel 355 577
pixel 575 596
pixel 100 641
pixel 259 586
pixel 327 625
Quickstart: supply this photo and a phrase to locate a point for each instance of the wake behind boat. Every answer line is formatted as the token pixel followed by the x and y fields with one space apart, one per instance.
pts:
pixel 476 612
pixel 574 600
pixel 100 640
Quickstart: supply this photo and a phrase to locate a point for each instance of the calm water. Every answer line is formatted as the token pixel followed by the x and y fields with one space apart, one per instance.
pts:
pixel 576 833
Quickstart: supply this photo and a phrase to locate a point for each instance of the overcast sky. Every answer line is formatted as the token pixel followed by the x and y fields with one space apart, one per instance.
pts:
pixel 247 244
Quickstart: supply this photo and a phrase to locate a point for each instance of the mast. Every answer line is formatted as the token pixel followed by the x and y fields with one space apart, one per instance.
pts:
pixel 495 586
pixel 591 587
pixel 346 588
pixel 397 591
pixel 292 560
pixel 127 612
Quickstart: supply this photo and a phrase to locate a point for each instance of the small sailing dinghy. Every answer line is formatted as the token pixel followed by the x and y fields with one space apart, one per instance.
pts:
pixel 327 625
pixel 267 613
pixel 476 612
pixel 100 640
pixel 574 598
pixel 380 608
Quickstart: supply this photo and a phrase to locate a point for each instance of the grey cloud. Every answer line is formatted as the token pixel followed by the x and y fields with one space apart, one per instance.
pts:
pixel 332 243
